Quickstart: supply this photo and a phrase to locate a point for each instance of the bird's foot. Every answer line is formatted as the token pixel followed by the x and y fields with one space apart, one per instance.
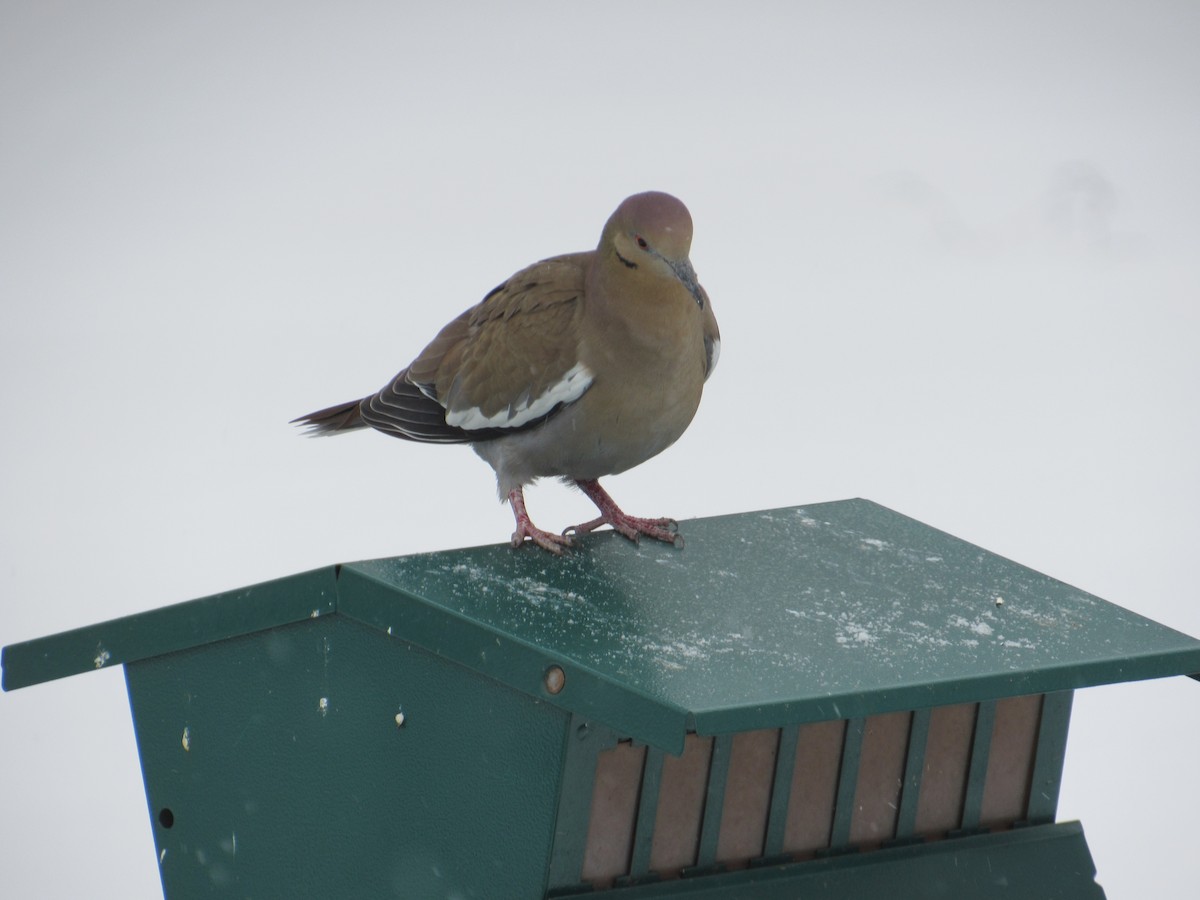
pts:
pixel 632 527
pixel 547 540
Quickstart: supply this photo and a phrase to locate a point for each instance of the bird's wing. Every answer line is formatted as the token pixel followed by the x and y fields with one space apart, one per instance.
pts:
pixel 502 366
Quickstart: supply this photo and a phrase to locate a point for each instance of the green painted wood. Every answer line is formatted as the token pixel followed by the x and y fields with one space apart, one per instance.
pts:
pixel 1046 861
pixel 584 742
pixel 843 809
pixel 510 658
pixel 275 764
pixel 914 770
pixel 836 610
pixel 1051 754
pixel 714 802
pixel 178 627
pixel 766 619
pixel 285 773
pixel 981 744
pixel 781 790
pixel 647 813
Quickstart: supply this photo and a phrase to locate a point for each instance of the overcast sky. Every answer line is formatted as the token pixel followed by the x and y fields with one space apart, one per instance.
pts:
pixel 953 249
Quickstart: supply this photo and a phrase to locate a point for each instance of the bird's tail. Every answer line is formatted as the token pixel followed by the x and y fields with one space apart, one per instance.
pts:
pixel 334 419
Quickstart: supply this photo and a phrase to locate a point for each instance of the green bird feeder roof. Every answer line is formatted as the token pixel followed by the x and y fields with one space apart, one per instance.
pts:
pixel 787 616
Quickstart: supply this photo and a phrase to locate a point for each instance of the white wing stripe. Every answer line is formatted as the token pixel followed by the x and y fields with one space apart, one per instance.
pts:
pixel 566 390
pixel 716 355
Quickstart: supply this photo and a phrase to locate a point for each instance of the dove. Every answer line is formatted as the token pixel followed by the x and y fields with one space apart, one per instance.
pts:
pixel 577 367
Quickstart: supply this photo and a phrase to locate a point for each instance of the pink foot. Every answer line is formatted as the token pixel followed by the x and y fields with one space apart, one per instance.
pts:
pixel 555 543
pixel 633 527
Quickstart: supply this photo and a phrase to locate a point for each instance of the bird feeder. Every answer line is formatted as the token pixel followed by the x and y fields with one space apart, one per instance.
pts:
pixel 818 702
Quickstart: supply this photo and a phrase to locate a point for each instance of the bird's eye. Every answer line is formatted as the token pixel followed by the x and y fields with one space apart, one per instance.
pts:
pixel 641 241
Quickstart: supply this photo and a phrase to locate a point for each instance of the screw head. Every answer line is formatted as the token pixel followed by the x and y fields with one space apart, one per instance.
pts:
pixel 554 680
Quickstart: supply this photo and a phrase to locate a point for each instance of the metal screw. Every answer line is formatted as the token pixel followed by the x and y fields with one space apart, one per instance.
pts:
pixel 554 680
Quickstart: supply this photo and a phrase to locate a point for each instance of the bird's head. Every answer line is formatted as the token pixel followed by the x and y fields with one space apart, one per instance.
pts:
pixel 652 232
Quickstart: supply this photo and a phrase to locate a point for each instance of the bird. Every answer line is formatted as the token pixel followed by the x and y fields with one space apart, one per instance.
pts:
pixel 577 367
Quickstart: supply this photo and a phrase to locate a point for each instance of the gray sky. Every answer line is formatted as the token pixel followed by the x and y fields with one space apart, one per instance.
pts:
pixel 952 249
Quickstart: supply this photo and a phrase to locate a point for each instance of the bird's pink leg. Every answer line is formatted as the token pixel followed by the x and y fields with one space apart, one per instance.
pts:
pixel 630 526
pixel 526 529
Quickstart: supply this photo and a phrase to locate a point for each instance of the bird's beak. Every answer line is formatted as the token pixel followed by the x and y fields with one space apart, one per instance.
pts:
pixel 684 272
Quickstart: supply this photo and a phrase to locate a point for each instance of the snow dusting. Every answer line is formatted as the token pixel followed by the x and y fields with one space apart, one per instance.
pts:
pixel 826 601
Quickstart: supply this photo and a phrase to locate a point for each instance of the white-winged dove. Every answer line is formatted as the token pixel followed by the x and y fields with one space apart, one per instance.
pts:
pixel 578 366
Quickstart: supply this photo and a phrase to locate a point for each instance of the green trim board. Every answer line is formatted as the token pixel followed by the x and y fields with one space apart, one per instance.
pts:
pixel 182 626
pixel 1052 752
pixel 843 809
pixel 583 744
pixel 914 764
pixel 643 831
pixel 781 786
pixel 714 803
pixel 831 611
pixel 981 748
pixel 1039 861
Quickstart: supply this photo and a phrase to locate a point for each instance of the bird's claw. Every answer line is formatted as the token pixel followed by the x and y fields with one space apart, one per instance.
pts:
pixel 554 543
pixel 633 527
